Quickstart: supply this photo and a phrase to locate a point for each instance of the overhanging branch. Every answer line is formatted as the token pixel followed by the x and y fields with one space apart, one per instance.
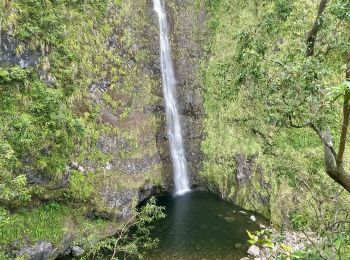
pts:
pixel 317 130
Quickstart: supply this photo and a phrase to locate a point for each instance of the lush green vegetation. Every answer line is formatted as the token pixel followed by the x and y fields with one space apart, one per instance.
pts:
pixel 45 222
pixel 133 239
pixel 268 97
pixel 40 129
pixel 274 82
pixel 50 121
pixel 51 222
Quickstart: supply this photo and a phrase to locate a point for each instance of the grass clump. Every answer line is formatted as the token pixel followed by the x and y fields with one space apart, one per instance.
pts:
pixel 44 223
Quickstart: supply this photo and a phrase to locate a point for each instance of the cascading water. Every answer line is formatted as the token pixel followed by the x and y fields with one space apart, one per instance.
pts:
pixel 173 120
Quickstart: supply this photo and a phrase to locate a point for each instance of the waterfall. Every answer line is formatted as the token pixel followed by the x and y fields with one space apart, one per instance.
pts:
pixel 172 115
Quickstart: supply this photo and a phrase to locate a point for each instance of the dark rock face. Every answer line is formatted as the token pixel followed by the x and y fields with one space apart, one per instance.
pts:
pixel 252 187
pixel 187 24
pixel 244 168
pixel 8 55
pixel 148 190
pixel 118 203
pixel 40 251
pixel 35 177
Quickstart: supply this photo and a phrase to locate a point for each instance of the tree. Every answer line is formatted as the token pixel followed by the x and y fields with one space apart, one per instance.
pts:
pixel 333 160
pixel 311 38
pixel 133 239
pixel 281 72
pixel 300 82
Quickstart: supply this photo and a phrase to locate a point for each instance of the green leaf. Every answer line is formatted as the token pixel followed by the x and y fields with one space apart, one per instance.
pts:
pixel 252 242
pixel 268 243
pixel 286 248
pixel 251 236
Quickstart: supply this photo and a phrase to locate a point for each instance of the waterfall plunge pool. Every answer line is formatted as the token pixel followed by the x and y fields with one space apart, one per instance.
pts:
pixel 199 225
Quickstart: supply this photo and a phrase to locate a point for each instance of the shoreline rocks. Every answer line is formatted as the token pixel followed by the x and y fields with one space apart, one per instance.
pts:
pixel 39 251
pixel 253 250
pixel 293 241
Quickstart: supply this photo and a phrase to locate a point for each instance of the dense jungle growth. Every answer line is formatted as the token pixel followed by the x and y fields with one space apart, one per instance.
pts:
pixel 264 96
pixel 277 94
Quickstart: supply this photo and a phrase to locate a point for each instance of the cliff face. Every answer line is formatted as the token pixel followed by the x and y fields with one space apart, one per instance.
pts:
pixel 126 96
pixel 148 161
pixel 255 155
pixel 105 66
pixel 130 111
pixel 137 144
pixel 189 25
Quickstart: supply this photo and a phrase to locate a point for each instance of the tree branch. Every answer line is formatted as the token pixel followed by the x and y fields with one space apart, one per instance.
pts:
pixel 292 124
pixel 325 139
pixel 262 135
pixel 311 38
pixel 333 161
pixel 333 170
pixel 341 177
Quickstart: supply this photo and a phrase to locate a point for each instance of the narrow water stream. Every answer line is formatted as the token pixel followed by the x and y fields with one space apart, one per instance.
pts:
pixel 200 225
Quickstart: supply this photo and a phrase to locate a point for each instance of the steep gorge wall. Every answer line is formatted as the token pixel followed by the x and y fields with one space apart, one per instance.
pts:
pixel 253 155
pixel 116 94
pixel 125 96
pixel 147 117
pixel 149 159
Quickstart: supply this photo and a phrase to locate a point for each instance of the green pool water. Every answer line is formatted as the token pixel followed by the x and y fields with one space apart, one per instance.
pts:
pixel 200 225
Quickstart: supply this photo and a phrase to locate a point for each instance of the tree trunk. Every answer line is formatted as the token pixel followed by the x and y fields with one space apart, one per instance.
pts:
pixel 334 161
pixel 337 173
pixel 344 131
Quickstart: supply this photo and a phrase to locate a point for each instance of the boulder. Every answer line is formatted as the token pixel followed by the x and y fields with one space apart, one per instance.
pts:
pixel 253 218
pixel 40 251
pixel 77 251
pixel 253 250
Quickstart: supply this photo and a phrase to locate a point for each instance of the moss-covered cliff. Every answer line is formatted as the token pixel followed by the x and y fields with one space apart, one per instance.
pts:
pixel 260 87
pixel 83 129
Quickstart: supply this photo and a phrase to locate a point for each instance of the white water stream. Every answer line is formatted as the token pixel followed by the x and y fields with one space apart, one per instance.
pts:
pixel 173 119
